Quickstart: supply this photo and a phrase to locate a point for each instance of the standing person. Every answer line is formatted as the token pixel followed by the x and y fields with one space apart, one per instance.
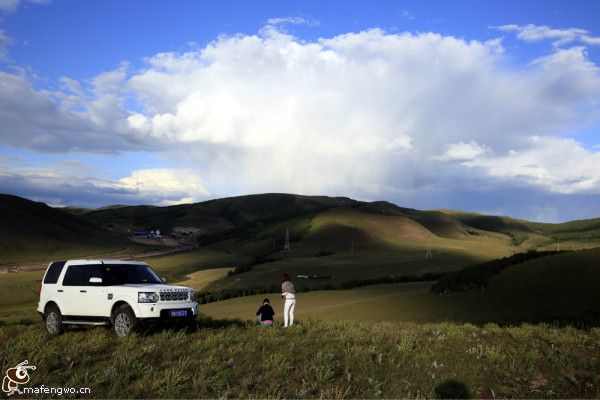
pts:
pixel 265 313
pixel 288 293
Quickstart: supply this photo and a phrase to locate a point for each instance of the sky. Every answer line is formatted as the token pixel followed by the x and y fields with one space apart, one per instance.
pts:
pixel 490 107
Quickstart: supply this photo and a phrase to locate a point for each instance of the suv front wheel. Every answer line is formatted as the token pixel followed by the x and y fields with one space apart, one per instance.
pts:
pixel 124 321
pixel 53 320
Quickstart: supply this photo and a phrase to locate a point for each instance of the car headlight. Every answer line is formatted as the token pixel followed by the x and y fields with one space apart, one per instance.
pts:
pixel 147 297
pixel 192 295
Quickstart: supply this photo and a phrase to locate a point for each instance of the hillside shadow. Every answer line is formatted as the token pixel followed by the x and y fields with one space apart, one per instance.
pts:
pixel 584 320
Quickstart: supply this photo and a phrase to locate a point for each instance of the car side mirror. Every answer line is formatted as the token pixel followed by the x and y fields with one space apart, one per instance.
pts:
pixel 95 279
pixel 164 280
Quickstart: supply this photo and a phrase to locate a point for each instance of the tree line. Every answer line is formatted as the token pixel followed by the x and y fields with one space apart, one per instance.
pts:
pixel 478 276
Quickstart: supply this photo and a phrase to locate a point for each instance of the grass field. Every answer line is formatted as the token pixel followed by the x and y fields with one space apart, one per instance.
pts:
pixel 228 359
pixel 564 285
pixel 348 244
pixel 201 279
pixel 380 341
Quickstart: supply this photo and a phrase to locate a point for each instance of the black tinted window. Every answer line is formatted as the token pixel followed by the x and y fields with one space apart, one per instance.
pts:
pixel 54 271
pixel 111 274
pixel 116 274
pixel 79 275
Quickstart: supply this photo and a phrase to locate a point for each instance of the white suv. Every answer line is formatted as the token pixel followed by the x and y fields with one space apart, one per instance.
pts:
pixel 122 294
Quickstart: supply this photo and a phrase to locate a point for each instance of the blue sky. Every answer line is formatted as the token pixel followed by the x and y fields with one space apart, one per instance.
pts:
pixel 482 106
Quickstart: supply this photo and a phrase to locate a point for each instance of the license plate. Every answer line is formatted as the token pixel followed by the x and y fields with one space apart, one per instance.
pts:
pixel 178 313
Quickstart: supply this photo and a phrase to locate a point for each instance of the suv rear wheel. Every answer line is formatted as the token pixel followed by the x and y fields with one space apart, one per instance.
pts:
pixel 124 321
pixel 53 320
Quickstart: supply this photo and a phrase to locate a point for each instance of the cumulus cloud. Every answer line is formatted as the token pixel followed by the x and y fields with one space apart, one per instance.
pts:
pixel 558 164
pixel 340 114
pixel 58 121
pixel 76 183
pixel 369 114
pixel 175 185
pixel 536 33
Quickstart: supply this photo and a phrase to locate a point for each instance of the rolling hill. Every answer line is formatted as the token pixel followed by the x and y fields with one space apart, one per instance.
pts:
pixel 563 287
pixel 520 230
pixel 213 216
pixel 337 239
pixel 34 231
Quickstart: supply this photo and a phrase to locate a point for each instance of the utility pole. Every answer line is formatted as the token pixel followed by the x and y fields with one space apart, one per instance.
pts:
pixel 557 245
pixel 286 245
pixel 428 252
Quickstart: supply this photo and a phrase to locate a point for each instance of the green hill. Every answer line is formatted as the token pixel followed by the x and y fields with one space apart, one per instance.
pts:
pixel 32 231
pixel 213 216
pixel 335 236
pixel 581 229
pixel 560 288
pixel 332 240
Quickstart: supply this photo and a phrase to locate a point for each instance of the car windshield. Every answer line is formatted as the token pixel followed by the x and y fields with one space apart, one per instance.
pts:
pixel 122 274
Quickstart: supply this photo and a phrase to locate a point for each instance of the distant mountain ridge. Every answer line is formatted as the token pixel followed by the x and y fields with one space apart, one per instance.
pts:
pixel 32 225
pixel 214 216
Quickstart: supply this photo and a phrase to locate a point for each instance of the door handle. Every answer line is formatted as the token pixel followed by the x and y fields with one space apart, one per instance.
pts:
pixel 60 290
pixel 83 291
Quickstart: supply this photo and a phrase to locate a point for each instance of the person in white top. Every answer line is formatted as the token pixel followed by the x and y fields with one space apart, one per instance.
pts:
pixel 288 294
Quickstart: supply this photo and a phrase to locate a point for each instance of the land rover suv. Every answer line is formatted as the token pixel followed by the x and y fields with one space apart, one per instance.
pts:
pixel 120 294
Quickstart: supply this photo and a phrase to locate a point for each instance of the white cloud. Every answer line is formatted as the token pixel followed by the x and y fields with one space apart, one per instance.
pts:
pixel 176 185
pixel 364 114
pixel 291 20
pixel 560 165
pixel 332 115
pixel 73 182
pixel 536 33
pixel 64 120
pixel 463 151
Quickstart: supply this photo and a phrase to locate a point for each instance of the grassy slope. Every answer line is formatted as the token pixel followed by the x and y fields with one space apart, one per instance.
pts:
pixel 213 216
pixel 562 285
pixel 387 240
pixel 314 360
pixel 580 231
pixel 351 243
pixel 202 279
pixel 33 231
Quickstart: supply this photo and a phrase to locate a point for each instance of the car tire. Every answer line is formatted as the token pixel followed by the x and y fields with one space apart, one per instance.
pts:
pixel 53 320
pixel 124 321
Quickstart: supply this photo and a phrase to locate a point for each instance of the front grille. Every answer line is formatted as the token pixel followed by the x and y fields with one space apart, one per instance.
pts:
pixel 174 295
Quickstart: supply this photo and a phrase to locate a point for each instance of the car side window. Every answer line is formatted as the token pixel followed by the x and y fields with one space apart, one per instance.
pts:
pixel 74 276
pixel 79 275
pixel 54 271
